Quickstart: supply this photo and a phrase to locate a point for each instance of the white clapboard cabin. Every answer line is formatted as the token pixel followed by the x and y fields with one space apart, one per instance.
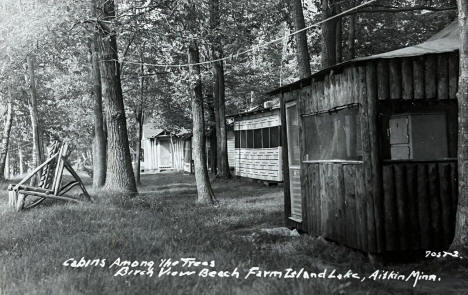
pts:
pixel 254 144
pixel 163 150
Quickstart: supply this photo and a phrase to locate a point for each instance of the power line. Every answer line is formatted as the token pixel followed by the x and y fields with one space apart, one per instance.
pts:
pixel 253 49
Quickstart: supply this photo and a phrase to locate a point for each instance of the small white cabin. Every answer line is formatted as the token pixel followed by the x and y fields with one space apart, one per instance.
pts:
pixel 163 150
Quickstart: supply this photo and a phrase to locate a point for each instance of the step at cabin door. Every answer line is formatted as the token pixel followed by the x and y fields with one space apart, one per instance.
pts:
pixel 292 126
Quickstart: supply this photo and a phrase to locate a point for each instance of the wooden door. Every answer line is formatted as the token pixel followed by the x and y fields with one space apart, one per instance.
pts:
pixel 292 128
pixel 165 154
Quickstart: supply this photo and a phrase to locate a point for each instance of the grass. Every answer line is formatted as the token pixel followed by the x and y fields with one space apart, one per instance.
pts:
pixel 165 222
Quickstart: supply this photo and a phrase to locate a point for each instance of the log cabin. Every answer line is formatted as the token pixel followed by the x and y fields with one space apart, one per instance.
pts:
pixel 370 149
pixel 254 143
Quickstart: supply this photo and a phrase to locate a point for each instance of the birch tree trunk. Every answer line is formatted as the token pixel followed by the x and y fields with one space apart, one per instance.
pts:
pixel 461 230
pixel 119 175
pixel 204 190
pixel 99 142
pixel 302 52
pixel 6 138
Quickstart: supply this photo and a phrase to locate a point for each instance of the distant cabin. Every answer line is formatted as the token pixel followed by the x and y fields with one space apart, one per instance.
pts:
pixel 370 149
pixel 163 150
pixel 254 144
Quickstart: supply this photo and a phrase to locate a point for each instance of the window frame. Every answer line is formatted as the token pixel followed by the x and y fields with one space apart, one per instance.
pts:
pixel 359 147
pixel 387 156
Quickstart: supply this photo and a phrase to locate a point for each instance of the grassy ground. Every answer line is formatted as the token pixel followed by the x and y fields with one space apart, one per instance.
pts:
pixel 164 222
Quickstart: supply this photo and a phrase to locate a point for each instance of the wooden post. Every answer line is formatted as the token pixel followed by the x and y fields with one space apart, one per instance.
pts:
pixel 442 77
pixel 382 80
pixel 430 77
pixel 395 79
pixel 407 78
pixel 418 77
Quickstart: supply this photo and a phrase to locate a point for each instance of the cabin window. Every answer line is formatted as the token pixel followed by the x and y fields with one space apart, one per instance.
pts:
pixel 258 138
pixel 243 140
pixel 257 144
pixel 333 135
pixel 266 137
pixel 237 143
pixel 418 136
pixel 275 137
pixel 250 139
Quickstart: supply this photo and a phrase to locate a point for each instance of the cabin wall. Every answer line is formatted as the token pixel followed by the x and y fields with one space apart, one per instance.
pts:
pixel 178 154
pixel 151 160
pixel 338 195
pixel 257 163
pixel 427 77
pixel 420 203
pixel 370 204
pixel 231 149
pixel 152 147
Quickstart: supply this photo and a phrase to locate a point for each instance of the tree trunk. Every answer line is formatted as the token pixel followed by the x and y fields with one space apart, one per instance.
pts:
pixel 222 164
pixel 212 121
pixel 461 231
pixel 302 52
pixel 6 138
pixel 32 106
pixel 328 35
pixel 204 190
pixel 119 175
pixel 352 37
pixel 20 159
pixel 339 48
pixel 139 119
pixel 99 142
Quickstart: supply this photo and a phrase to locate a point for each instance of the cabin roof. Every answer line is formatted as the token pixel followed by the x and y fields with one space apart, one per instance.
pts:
pixel 258 109
pixel 447 40
pixel 150 131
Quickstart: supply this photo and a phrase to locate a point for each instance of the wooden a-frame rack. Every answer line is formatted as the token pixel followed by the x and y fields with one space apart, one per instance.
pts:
pixel 50 185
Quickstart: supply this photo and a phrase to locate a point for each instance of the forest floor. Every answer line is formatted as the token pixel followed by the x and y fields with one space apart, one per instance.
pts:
pixel 164 222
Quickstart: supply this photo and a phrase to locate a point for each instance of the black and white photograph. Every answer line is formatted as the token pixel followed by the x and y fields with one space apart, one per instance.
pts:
pixel 233 147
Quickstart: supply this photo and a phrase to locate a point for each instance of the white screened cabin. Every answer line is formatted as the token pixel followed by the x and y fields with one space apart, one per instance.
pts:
pixel 254 145
pixel 163 150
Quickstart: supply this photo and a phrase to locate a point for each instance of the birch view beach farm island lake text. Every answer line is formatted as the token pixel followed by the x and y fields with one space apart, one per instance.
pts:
pixel 233 147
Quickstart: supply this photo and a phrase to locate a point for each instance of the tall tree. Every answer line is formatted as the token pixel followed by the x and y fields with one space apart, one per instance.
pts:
pixel 139 115
pixel 32 106
pixel 119 175
pixel 219 93
pixel 302 50
pixel 329 34
pixel 461 232
pixel 352 37
pixel 204 190
pixel 99 141
pixel 6 136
